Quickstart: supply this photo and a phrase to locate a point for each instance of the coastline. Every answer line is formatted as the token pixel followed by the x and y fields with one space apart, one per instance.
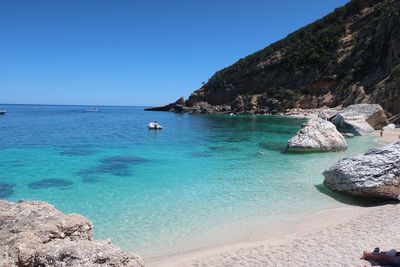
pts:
pixel 255 244
pixel 334 237
pixel 283 151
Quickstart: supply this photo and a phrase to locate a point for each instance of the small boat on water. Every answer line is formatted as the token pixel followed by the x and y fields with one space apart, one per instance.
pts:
pixel 3 112
pixel 154 126
pixel 92 110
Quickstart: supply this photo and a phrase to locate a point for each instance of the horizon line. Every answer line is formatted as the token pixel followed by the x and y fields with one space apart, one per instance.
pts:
pixel 91 105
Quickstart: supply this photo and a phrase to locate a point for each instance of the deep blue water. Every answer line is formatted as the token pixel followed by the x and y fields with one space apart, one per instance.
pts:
pixel 158 192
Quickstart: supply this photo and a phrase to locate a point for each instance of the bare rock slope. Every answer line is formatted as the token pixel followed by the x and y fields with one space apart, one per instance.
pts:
pixel 34 233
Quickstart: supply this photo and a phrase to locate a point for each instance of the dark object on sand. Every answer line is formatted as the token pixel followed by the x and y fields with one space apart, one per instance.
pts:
pixel 391 257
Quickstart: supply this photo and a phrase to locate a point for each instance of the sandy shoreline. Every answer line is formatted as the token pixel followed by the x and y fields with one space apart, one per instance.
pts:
pixel 334 237
pixel 389 136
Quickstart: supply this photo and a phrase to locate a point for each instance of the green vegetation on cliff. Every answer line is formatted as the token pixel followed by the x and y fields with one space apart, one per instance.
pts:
pixel 337 60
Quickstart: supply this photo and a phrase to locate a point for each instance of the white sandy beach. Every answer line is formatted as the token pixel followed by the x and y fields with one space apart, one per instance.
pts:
pixel 332 238
pixel 335 237
pixel 389 135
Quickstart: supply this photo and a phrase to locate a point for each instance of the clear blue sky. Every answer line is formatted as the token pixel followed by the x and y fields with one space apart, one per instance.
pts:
pixel 143 52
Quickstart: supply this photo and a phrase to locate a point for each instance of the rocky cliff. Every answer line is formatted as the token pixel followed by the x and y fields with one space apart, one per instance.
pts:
pixel 350 56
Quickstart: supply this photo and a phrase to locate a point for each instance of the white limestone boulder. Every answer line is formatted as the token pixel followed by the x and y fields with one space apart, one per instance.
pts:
pixel 351 122
pixel 372 113
pixel 317 135
pixel 373 174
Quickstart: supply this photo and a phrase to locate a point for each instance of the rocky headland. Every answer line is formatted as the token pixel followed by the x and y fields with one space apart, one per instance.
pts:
pixel 34 233
pixel 350 56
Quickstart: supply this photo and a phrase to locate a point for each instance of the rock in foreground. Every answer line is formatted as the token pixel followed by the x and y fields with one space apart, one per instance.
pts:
pixel 374 174
pixel 36 234
pixel 317 135
pixel 351 122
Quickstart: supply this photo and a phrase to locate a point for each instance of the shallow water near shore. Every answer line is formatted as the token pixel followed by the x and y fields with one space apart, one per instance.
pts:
pixel 191 185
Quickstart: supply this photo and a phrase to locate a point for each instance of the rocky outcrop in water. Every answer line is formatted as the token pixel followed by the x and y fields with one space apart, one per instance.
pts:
pixel 351 122
pixel 317 135
pixel 200 107
pixel 177 106
pixel 350 56
pixel 204 107
pixel 36 234
pixel 254 104
pixel 374 174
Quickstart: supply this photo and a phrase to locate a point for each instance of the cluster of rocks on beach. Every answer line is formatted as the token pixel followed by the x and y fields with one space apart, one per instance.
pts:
pixel 374 174
pixel 326 128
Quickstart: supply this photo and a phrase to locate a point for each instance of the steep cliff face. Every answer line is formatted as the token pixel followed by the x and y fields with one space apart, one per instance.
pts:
pixel 350 56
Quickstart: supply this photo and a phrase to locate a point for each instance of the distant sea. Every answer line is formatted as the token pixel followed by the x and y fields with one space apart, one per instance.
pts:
pixel 201 181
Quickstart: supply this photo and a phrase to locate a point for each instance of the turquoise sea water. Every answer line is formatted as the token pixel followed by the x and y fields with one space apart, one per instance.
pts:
pixel 155 191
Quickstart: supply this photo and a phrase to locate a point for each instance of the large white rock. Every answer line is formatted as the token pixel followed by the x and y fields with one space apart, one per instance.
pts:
pixel 351 122
pixel 374 174
pixel 317 135
pixel 372 113
pixel 34 233
pixel 390 127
